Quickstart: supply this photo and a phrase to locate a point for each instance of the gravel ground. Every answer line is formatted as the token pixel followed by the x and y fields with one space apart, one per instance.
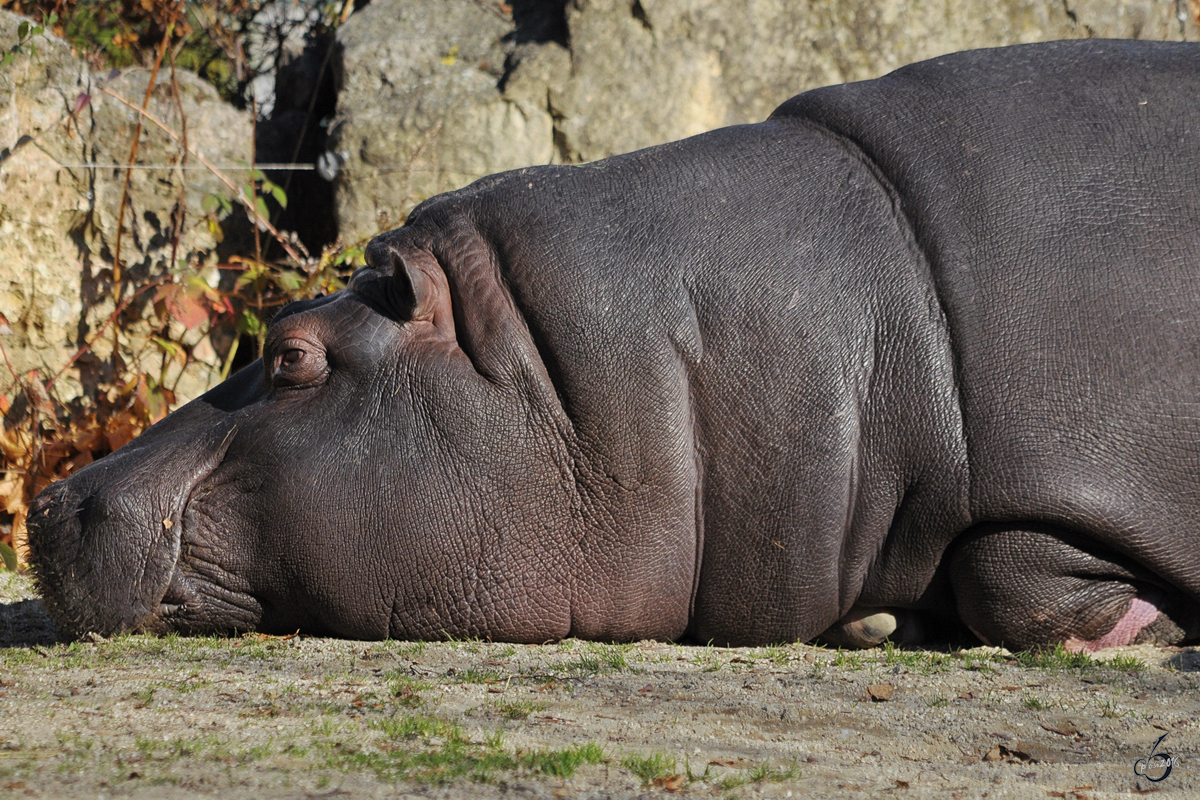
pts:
pixel 256 717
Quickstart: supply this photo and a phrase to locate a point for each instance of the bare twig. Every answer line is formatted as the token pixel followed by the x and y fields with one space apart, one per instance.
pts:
pixel 133 150
pixel 179 217
pixel 279 237
pixel 253 156
pixel 16 378
pixel 111 319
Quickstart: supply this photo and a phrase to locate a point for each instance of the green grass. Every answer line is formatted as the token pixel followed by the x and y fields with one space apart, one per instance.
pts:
pixel 1034 703
pixel 471 644
pixel 923 662
pixel 779 656
pixel 1109 708
pixel 413 726
pixel 764 772
pixel 563 763
pixel 1124 663
pixel 1054 659
pixel 852 660
pixel 707 659
pixel 214 749
pixel 404 690
pixel 518 709
pixel 476 675
pixel 597 657
pixel 424 748
pixel 978 662
pixel 411 649
pixel 655 766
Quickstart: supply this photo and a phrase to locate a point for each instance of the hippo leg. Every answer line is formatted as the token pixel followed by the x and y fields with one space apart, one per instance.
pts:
pixel 1034 584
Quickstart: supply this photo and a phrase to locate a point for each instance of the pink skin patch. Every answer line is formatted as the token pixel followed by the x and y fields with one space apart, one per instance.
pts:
pixel 1139 615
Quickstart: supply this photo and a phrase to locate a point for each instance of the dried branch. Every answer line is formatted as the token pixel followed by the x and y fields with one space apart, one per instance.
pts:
pixel 133 150
pixel 111 319
pixel 237 190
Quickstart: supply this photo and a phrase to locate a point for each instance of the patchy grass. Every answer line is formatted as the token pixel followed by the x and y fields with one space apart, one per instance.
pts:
pixel 923 662
pixel 313 715
pixel 428 749
pixel 411 649
pixel 519 709
pixel 1034 703
pixel 1124 663
pixel 707 659
pixel 656 766
pixel 762 773
pixel 405 690
pixel 1054 659
pixel 475 675
pixel 597 657
pixel 563 763
pixel 1109 709
pixel 852 660
pixel 777 655
pixel 422 748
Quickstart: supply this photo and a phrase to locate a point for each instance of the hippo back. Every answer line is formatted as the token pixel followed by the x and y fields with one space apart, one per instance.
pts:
pixel 1055 192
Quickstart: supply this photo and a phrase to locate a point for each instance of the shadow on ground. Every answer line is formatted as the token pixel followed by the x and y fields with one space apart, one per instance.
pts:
pixel 25 623
pixel 1186 661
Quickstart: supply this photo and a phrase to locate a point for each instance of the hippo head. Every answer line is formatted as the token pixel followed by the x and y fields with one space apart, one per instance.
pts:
pixel 349 482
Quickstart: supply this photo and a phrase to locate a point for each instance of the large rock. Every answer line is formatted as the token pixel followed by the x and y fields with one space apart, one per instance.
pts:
pixel 58 218
pixel 421 108
pixel 436 93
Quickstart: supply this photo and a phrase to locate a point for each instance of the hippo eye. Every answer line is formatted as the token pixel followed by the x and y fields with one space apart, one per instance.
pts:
pixel 296 366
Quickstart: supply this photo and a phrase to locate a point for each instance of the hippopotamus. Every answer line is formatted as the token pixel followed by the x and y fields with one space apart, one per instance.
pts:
pixel 914 354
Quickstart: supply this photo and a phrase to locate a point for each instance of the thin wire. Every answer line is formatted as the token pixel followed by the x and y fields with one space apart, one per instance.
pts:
pixel 114 165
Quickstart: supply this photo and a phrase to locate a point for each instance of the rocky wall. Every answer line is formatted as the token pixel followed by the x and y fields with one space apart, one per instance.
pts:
pixel 436 93
pixel 64 137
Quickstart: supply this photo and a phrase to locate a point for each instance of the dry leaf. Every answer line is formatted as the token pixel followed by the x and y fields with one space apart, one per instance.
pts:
pixel 880 692
pixel 672 783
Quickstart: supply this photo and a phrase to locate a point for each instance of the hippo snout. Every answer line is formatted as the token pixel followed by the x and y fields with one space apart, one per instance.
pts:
pixel 104 544
pixel 103 559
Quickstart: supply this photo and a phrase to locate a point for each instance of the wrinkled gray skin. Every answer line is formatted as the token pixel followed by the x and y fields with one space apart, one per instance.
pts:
pixel 928 344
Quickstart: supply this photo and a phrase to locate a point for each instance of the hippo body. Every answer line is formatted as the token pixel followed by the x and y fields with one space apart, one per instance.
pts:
pixel 928 344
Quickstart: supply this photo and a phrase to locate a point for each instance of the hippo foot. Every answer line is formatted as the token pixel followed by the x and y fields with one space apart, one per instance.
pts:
pixel 1140 617
pixel 868 627
pixel 1033 585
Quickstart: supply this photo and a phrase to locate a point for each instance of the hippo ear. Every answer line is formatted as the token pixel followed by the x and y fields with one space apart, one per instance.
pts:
pixel 418 287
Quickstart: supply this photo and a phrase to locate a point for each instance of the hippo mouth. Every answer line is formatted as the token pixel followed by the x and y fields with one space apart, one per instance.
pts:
pixel 176 598
pixel 179 606
pixel 108 545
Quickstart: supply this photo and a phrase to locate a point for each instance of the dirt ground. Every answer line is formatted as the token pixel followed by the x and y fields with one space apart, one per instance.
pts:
pixel 256 717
